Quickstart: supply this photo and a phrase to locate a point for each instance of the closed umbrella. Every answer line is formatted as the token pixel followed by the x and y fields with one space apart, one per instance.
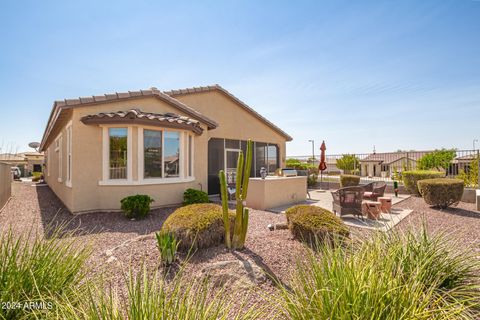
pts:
pixel 322 166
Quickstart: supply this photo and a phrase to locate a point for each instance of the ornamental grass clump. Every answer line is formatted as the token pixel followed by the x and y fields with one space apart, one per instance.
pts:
pixel 152 296
pixel 441 193
pixel 388 276
pixel 411 178
pixel 197 225
pixel 167 246
pixel 312 224
pixel 38 274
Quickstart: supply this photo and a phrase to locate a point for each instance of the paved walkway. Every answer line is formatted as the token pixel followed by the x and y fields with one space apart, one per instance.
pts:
pixel 323 199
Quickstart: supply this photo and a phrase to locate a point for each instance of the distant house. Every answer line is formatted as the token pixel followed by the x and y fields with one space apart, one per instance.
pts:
pixel 100 149
pixel 386 164
pixel 28 162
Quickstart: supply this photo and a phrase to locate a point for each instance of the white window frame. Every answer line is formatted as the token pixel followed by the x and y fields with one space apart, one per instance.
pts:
pixel 106 157
pixel 58 150
pixel 68 181
pixel 183 173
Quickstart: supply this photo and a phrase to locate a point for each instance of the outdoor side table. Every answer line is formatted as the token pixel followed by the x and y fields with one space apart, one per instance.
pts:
pixel 386 204
pixel 371 209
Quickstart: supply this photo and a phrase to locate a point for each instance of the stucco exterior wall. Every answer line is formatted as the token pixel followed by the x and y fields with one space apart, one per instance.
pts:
pixel 52 172
pixel 87 155
pixel 234 122
pixel 5 183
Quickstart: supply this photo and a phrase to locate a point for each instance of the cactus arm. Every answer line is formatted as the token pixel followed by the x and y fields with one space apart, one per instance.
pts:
pixel 248 166
pixel 245 225
pixel 226 216
pixel 239 176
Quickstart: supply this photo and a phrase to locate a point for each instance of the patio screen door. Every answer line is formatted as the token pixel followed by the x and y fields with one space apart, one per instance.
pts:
pixel 231 158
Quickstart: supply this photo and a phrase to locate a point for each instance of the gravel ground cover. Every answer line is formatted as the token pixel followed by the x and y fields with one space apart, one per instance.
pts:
pixel 120 244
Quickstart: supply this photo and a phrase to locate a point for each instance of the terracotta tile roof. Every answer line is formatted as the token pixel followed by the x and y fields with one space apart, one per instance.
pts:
pixel 61 105
pixel 136 115
pixel 177 92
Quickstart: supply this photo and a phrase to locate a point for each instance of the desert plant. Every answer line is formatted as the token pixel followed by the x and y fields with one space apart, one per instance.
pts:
pixel 153 296
pixel 438 160
pixel 167 246
pixel 36 273
pixel 312 223
pixel 191 196
pixel 386 276
pixel 441 192
pixel 410 179
pixel 470 177
pixel 197 225
pixel 241 217
pixel 137 206
pixel 348 163
pixel 348 180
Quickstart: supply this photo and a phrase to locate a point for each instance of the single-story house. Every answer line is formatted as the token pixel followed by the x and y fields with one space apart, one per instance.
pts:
pixel 100 149
pixel 386 164
pixel 28 162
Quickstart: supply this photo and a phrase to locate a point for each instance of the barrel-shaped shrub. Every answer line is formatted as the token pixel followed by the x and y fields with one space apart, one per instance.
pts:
pixel 312 224
pixel 410 179
pixel 441 192
pixel 349 180
pixel 197 225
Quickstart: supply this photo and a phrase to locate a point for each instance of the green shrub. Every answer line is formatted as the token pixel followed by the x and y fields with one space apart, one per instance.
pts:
pixel 438 159
pixel 137 206
pixel 386 276
pixel 34 269
pixel 410 179
pixel 312 223
pixel 441 192
pixel 470 178
pixel 37 176
pixel 348 163
pixel 348 180
pixel 197 225
pixel 167 246
pixel 191 196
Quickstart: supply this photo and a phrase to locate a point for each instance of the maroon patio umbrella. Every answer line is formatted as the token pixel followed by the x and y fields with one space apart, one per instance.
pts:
pixel 323 164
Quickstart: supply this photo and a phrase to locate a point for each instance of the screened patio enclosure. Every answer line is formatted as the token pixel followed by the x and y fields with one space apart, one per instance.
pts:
pixel 223 155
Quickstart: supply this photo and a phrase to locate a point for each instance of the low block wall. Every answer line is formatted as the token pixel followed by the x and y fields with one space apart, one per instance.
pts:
pixel 275 192
pixel 5 183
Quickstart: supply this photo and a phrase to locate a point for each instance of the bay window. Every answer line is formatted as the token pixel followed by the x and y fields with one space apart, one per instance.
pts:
pixel 152 154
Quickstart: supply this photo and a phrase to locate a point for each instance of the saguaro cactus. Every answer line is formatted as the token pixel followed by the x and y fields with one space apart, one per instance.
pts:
pixel 241 218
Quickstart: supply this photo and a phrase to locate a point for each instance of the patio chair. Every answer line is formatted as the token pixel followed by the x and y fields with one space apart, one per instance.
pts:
pixel 348 200
pixel 374 190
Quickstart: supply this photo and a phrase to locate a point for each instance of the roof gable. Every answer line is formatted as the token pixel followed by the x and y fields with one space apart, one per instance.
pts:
pixel 216 87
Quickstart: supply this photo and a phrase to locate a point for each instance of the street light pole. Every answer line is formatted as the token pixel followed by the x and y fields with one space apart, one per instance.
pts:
pixel 313 150
pixel 474 140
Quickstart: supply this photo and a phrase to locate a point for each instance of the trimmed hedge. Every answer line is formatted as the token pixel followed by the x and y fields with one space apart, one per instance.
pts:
pixel 441 192
pixel 410 179
pixel 312 223
pixel 349 180
pixel 197 225
pixel 191 196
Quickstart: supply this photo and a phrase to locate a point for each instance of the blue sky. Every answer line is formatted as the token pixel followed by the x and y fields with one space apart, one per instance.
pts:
pixel 394 74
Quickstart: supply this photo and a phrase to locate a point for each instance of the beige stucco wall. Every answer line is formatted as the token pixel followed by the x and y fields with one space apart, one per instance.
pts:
pixel 274 192
pixel 88 194
pixel 51 173
pixel 234 122
pixel 5 183
pixel 87 162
